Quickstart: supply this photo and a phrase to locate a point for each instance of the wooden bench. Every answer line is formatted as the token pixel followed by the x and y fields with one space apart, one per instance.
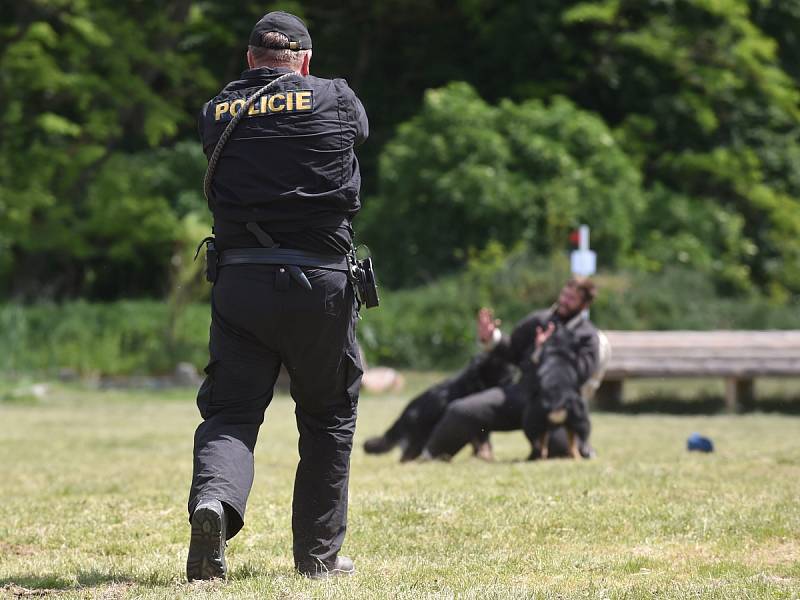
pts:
pixel 738 356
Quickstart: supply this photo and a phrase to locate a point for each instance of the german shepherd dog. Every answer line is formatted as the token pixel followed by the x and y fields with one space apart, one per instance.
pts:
pixel 557 403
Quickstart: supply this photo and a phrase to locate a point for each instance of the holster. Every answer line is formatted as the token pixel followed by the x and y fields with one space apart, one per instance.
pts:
pixel 363 276
pixel 212 260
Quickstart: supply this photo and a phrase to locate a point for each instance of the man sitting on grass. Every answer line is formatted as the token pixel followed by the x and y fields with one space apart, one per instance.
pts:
pixel 529 380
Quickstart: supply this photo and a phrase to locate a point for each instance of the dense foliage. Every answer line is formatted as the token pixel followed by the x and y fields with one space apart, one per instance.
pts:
pixel 425 327
pixel 514 173
pixel 700 97
pixel 88 86
pixel 672 127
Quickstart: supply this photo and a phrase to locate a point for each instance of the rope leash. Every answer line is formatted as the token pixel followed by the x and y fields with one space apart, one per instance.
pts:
pixel 223 139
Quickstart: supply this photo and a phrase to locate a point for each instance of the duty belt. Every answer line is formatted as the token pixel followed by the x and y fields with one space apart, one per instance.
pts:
pixel 283 256
pixel 291 260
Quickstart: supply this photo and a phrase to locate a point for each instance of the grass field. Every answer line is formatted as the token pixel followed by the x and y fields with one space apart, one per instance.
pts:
pixel 93 488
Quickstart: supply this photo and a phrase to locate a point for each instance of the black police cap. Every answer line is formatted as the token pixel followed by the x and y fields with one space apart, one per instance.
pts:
pixel 282 22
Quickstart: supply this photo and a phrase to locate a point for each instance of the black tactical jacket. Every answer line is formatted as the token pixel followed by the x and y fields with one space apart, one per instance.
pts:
pixel 290 164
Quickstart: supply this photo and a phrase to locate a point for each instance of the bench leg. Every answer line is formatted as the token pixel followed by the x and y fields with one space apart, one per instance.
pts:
pixel 739 394
pixel 609 395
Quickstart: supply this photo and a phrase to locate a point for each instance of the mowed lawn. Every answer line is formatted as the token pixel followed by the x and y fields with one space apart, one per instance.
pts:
pixel 93 489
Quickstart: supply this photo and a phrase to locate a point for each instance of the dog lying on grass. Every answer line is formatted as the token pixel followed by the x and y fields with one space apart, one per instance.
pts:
pixel 414 425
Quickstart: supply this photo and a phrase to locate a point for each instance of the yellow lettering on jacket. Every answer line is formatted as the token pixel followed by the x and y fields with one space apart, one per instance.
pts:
pixel 221 108
pixel 268 104
pixel 303 100
pixel 236 106
pixel 273 107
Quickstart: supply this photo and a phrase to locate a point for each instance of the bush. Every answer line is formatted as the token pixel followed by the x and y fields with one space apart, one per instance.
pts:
pixel 433 326
pixel 428 327
pixel 462 174
pixel 119 338
pixel 680 298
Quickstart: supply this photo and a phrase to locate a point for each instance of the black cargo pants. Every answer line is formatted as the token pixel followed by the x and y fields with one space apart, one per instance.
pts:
pixel 494 409
pixel 261 318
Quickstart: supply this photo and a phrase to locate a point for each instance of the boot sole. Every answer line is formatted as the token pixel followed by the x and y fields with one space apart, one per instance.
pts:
pixel 206 558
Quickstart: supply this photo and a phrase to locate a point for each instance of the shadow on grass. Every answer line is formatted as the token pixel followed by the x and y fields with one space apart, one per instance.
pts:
pixel 41 585
pixel 52 582
pixel 704 405
pixel 789 406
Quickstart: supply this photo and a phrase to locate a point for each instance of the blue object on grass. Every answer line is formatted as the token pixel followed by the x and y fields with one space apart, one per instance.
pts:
pixel 699 443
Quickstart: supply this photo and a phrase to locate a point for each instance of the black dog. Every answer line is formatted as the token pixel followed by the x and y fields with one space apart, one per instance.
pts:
pixel 413 427
pixel 557 403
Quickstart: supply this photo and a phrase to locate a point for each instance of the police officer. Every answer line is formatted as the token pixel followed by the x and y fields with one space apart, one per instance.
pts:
pixel 283 194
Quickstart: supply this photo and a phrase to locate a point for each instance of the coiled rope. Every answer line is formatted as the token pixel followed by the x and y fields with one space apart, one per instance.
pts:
pixel 223 139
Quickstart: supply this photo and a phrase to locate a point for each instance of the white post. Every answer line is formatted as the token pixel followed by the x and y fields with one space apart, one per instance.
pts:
pixel 583 261
pixel 583 238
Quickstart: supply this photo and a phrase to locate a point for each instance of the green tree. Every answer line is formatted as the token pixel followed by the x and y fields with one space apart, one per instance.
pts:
pixel 703 95
pixel 463 173
pixel 700 96
pixel 780 19
pixel 85 83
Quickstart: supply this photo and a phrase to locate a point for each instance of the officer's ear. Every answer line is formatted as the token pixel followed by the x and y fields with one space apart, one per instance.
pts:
pixel 304 68
pixel 250 60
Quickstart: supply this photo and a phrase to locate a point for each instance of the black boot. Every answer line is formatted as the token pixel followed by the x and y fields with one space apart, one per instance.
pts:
pixel 207 546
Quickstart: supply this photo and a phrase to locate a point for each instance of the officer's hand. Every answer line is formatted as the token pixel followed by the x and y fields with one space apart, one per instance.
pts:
pixel 542 335
pixel 486 324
